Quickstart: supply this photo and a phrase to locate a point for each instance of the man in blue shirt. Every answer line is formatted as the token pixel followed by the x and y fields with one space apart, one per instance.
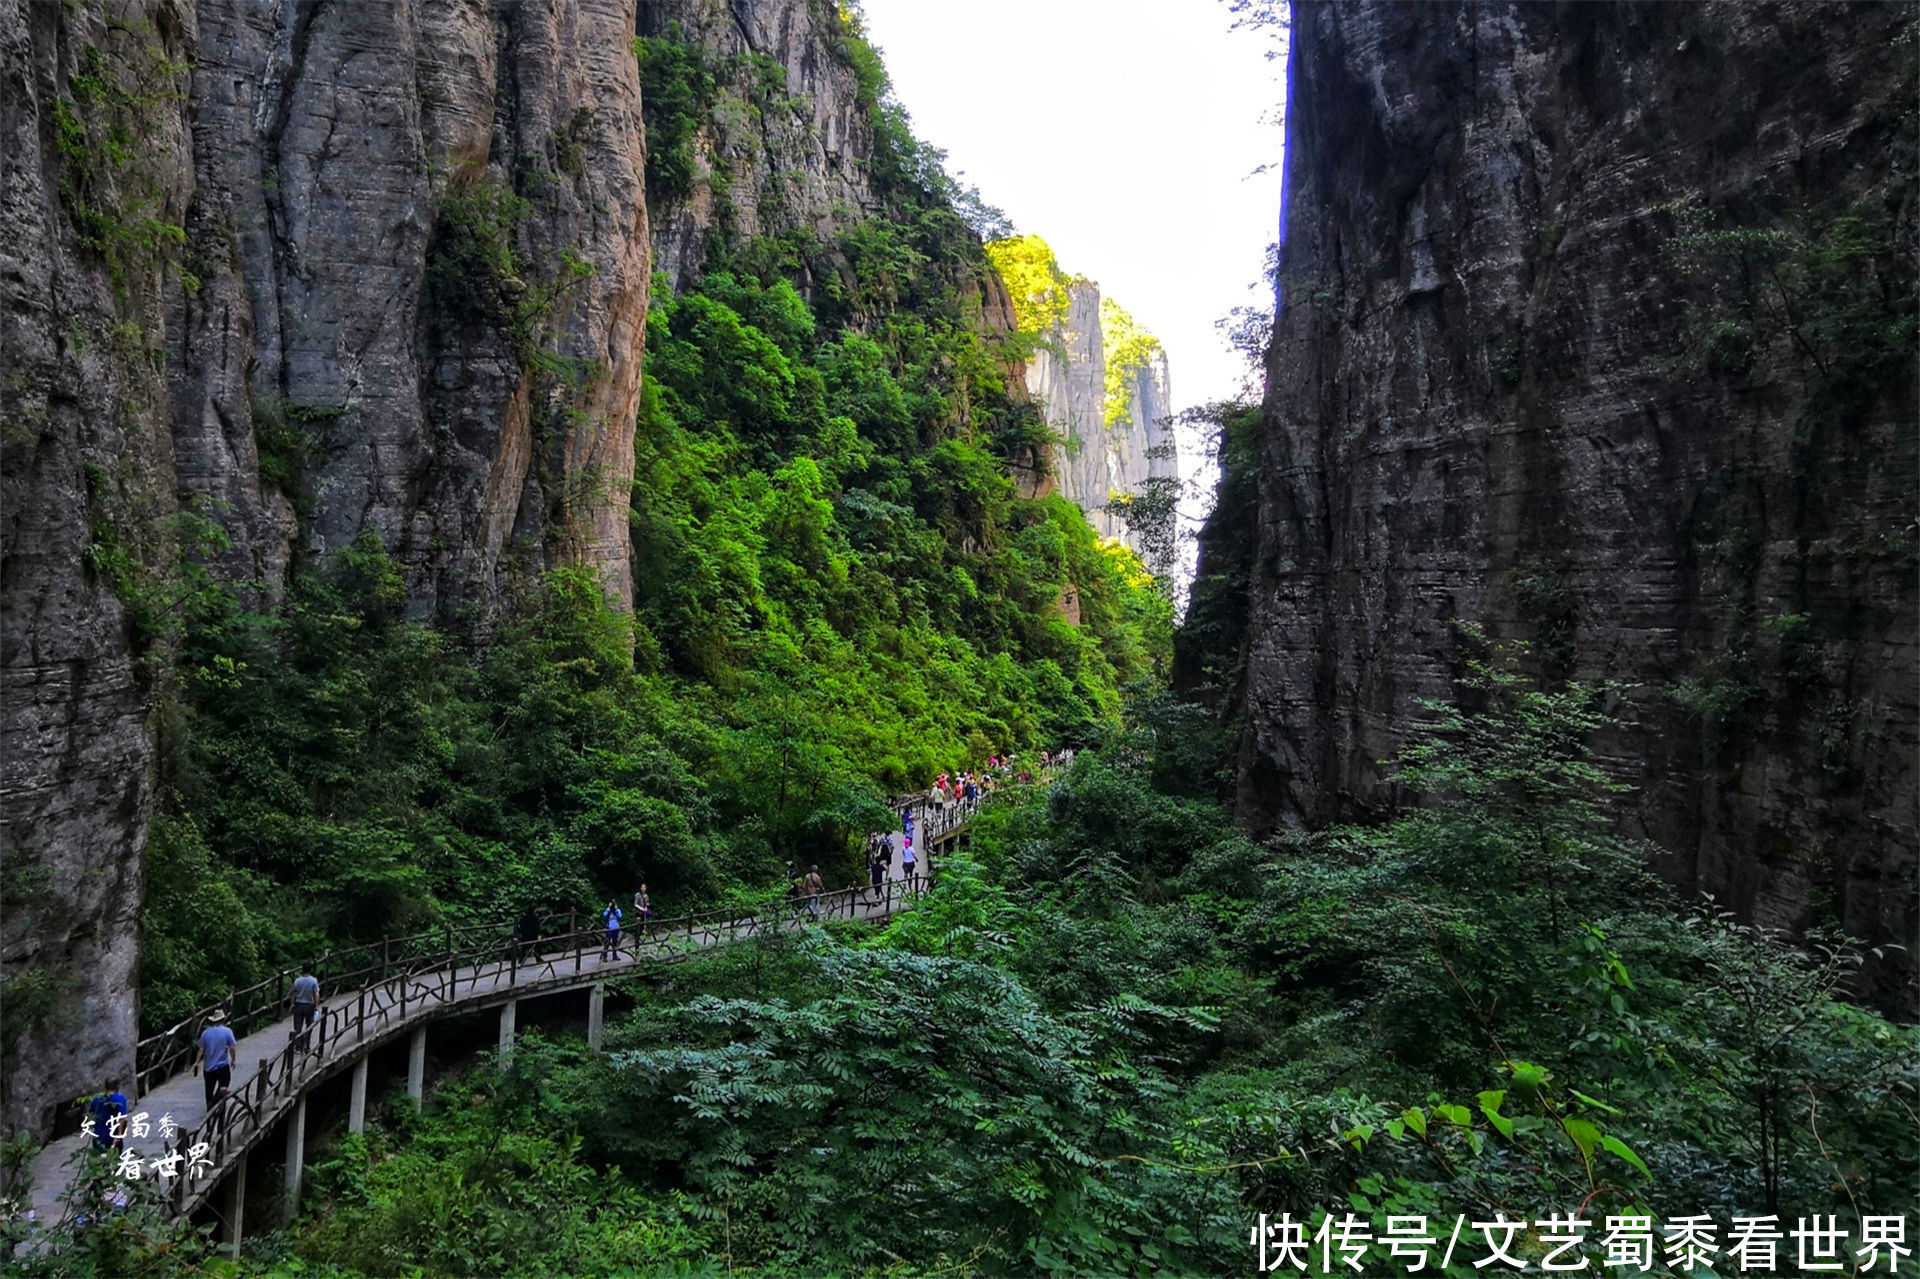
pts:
pixel 216 1054
pixel 306 1002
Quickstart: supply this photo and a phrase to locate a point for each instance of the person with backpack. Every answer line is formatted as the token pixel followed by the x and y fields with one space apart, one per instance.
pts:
pixel 103 1108
pixel 610 949
pixel 876 871
pixel 217 1050
pixel 306 1005
pixel 812 887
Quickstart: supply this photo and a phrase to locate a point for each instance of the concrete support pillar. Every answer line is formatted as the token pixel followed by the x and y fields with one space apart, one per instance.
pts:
pixel 236 1205
pixel 507 1011
pixel 417 1064
pixel 296 1154
pixel 596 1013
pixel 357 1099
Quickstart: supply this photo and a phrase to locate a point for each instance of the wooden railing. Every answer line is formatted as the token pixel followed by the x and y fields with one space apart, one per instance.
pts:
pixel 401 979
pixel 941 822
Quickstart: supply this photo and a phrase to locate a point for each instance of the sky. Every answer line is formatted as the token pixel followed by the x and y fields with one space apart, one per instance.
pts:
pixel 1131 134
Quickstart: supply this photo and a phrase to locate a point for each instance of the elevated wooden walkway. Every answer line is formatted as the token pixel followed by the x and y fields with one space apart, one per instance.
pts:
pixel 376 993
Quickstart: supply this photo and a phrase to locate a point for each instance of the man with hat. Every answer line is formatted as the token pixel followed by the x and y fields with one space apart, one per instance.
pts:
pixel 217 1048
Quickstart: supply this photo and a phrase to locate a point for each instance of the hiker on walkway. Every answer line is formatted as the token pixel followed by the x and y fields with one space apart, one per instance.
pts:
pixel 216 1054
pixel 103 1109
pixel 906 860
pixel 811 887
pixel 610 949
pixel 306 1004
pixel 876 870
pixel 527 932
pixel 642 915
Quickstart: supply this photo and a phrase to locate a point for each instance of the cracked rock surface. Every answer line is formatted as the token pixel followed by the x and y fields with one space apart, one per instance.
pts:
pixel 311 270
pixel 1579 306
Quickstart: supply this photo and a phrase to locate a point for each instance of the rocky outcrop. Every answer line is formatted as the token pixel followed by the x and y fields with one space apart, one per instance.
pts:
pixel 421 242
pixel 782 140
pixel 1596 330
pixel 86 503
pixel 1111 408
pixel 306 272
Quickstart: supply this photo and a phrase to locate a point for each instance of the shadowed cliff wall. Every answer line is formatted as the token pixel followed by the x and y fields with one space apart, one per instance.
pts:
pixel 301 272
pixel 1596 330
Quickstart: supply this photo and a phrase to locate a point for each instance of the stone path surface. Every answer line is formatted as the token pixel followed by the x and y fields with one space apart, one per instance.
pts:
pixel 181 1099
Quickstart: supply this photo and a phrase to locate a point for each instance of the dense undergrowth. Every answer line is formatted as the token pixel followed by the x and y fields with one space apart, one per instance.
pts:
pixel 1121 1031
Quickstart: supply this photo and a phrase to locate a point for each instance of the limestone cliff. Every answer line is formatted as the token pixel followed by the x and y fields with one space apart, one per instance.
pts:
pixel 1104 392
pixel 303 272
pixel 1596 329
pixel 761 127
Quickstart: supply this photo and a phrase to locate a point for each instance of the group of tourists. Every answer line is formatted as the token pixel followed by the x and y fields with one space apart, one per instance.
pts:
pixel 882 847
pixel 960 790
pixel 217 1047
pixel 963 789
pixel 614 924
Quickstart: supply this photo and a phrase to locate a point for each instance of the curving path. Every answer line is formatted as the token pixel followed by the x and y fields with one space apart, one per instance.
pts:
pixel 369 1003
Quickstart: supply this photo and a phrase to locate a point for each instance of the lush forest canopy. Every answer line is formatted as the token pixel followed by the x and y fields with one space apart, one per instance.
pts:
pixel 1119 1030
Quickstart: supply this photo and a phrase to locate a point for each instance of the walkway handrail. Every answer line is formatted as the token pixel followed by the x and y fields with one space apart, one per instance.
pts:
pixel 423 979
pixel 166 1053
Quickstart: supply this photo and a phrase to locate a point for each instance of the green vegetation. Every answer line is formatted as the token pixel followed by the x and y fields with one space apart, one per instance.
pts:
pixel 1125 1029
pixel 678 87
pixel 480 281
pixel 1122 1030
pixel 837 594
pixel 1210 657
pixel 1118 1029
pixel 102 131
pixel 1830 299
pixel 1034 279
pixel 1129 350
pixel 1152 516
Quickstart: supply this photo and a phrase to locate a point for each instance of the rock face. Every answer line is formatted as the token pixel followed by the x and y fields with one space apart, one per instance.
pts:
pixel 790 145
pixel 425 247
pixel 86 498
pixel 1068 378
pixel 309 271
pixel 1596 330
